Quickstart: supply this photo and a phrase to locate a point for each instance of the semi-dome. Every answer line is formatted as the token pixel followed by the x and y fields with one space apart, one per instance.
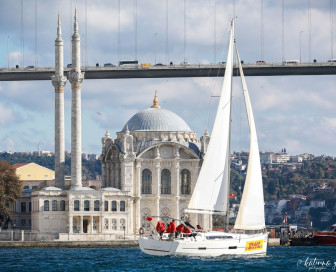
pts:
pixel 156 119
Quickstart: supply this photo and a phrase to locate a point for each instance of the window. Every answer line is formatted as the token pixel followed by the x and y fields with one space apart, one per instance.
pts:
pixel 114 224
pixel 146 187
pixel 29 207
pixel 106 223
pixel 46 205
pixel 106 206
pixel 122 224
pixel 54 205
pixel 114 206
pixel 23 222
pixel 122 206
pixel 165 182
pixel 23 207
pixel 62 205
pixel 96 205
pixel 35 188
pixel 94 224
pixel 86 205
pixel 76 205
pixel 185 182
pixel 26 187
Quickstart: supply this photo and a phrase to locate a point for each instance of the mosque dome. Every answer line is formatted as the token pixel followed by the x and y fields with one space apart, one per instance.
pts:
pixel 156 119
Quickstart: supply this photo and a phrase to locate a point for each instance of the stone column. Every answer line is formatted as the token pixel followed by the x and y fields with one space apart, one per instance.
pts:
pixel 70 224
pixel 81 224
pixel 158 192
pixel 76 77
pixel 91 224
pixel 59 80
pixel 138 195
pixel 177 196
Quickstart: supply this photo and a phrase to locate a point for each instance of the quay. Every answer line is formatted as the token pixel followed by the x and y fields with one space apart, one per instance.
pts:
pixel 69 244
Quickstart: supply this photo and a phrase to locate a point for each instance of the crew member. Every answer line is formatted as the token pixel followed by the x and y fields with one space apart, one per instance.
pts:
pixel 171 229
pixel 160 228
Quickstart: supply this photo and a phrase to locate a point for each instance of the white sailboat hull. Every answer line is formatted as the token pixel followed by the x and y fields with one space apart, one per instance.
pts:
pixel 211 244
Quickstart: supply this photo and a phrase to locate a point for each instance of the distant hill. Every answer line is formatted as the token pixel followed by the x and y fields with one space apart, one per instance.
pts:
pixel 90 168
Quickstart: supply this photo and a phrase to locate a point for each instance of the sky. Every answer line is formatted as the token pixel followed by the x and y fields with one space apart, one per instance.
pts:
pixel 292 112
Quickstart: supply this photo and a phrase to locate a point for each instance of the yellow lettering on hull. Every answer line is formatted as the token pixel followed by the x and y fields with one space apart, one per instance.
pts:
pixel 254 245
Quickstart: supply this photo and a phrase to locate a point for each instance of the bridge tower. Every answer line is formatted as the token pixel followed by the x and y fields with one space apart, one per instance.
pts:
pixel 59 80
pixel 76 77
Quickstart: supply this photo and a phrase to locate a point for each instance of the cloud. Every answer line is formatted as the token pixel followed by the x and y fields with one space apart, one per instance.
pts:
pixel 6 114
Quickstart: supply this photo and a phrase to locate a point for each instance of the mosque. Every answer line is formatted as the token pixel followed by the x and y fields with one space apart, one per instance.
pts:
pixel 149 169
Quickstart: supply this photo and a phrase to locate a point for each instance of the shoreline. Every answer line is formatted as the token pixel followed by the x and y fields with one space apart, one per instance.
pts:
pixel 79 244
pixel 69 244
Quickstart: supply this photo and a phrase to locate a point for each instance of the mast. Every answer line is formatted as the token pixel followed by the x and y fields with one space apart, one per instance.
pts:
pixel 227 214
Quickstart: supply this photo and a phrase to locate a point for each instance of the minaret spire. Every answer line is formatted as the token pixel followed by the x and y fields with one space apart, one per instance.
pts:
pixel 76 77
pixel 59 80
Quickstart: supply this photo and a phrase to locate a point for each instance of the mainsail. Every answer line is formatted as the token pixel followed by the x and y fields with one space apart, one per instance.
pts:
pixel 251 210
pixel 212 187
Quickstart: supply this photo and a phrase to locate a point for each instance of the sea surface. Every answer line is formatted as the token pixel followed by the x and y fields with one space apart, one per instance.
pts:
pixel 132 259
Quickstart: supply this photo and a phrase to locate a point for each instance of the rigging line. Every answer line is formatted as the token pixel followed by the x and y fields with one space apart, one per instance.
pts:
pixel 22 36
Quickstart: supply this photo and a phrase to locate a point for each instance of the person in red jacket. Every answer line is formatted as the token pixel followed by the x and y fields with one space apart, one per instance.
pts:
pixel 179 229
pixel 160 228
pixel 171 229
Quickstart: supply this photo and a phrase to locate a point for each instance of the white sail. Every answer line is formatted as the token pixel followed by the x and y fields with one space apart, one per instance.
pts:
pixel 251 211
pixel 212 187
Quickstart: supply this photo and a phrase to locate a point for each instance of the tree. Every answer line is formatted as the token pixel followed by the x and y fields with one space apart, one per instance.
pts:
pixel 10 187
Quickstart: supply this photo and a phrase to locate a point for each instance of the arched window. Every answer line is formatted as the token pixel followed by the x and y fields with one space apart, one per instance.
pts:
pixel 23 207
pixel 54 205
pixel 114 206
pixel 165 182
pixel 122 224
pixel 62 205
pixel 86 205
pixel 185 182
pixel 146 186
pixel 122 206
pixel 106 206
pixel 76 205
pixel 96 205
pixel 46 205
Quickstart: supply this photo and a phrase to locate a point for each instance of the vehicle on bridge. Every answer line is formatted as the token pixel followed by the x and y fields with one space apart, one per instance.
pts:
pixel 109 65
pixel 261 62
pixel 332 60
pixel 128 63
pixel 291 62
pixel 145 65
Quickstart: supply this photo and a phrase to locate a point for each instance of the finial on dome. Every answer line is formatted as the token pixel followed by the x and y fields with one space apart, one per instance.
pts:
pixel 107 134
pixel 155 101
pixel 59 32
pixel 127 130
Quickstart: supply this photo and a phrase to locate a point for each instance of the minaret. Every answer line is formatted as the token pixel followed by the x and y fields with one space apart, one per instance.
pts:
pixel 76 77
pixel 59 81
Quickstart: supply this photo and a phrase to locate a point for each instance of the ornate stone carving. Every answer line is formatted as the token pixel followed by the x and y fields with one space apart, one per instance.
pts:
pixel 76 78
pixel 59 82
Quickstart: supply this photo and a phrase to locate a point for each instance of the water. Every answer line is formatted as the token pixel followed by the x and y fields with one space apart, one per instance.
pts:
pixel 132 259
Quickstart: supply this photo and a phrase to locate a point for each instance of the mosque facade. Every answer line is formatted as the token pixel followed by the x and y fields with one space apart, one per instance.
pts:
pixel 149 169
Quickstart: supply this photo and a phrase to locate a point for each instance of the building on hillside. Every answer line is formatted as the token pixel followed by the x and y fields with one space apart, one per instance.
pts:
pixel 34 176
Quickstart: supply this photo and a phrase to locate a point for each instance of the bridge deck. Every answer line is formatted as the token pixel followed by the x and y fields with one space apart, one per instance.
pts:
pixel 174 71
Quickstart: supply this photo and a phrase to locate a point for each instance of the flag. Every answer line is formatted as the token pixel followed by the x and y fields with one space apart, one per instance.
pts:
pixel 285 220
pixel 149 218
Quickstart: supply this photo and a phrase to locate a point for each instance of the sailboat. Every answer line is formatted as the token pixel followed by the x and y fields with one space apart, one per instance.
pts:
pixel 212 189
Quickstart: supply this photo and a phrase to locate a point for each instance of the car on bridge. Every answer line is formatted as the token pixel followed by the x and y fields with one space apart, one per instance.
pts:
pixel 261 62
pixel 109 65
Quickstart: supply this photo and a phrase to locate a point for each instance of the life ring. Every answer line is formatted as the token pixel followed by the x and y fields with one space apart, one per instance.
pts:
pixel 141 231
